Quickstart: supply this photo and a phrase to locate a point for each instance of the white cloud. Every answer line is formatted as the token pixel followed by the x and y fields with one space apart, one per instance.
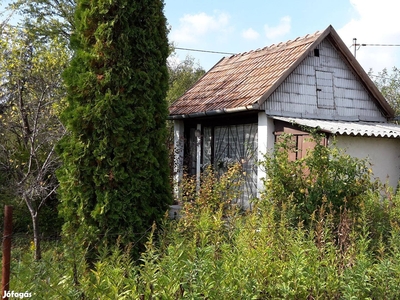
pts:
pixel 376 22
pixel 250 34
pixel 281 29
pixel 193 27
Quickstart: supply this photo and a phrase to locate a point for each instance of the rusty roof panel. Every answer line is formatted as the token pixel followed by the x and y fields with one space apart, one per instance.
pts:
pixel 242 79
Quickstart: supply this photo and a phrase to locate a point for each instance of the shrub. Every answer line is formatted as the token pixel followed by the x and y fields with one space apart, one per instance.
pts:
pixel 324 174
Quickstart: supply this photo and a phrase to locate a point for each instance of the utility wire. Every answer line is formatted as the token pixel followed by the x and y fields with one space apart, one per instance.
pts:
pixel 205 51
pixel 355 45
pixel 375 45
pixel 381 45
pixel 230 53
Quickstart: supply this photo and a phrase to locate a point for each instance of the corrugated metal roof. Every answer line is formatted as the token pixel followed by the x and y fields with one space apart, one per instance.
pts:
pixel 241 80
pixel 348 128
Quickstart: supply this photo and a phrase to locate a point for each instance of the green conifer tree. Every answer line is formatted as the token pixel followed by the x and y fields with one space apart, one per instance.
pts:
pixel 114 180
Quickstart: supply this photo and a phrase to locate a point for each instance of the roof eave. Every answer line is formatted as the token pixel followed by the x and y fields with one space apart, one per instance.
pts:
pixel 253 107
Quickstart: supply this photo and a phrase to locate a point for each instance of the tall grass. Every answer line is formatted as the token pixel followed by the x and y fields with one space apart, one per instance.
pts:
pixel 235 255
pixel 218 251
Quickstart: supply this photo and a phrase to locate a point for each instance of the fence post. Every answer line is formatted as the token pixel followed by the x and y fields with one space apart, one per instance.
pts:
pixel 5 274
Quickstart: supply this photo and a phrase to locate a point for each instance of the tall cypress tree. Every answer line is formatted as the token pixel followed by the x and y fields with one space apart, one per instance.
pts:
pixel 114 180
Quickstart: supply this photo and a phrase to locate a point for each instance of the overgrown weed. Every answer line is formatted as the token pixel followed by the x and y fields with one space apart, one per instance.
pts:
pixel 337 246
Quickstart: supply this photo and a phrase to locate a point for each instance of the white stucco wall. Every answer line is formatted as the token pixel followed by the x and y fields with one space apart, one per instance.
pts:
pixel 383 153
pixel 266 140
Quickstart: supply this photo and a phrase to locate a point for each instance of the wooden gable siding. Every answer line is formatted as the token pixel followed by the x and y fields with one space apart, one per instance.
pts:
pixel 324 87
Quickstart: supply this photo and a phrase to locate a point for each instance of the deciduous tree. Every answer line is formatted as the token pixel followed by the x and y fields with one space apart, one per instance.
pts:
pixel 389 85
pixel 30 96
pixel 182 75
pixel 47 18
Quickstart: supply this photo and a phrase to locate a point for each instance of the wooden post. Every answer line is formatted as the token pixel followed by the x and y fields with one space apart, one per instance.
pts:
pixel 5 274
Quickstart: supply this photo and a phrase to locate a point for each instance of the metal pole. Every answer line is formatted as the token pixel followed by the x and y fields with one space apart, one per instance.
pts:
pixel 5 274
pixel 355 46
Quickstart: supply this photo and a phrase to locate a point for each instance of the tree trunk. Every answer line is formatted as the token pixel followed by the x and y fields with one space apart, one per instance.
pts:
pixel 35 224
pixel 36 236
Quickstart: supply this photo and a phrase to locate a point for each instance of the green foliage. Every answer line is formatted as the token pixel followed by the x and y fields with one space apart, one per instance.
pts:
pixel 231 255
pixel 114 276
pixel 215 192
pixel 218 253
pixel 115 175
pixel 45 279
pixel 325 174
pixel 46 18
pixel 31 94
pixel 182 76
pixel 389 85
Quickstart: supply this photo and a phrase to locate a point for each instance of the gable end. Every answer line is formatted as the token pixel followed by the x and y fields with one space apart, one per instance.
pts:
pixel 324 86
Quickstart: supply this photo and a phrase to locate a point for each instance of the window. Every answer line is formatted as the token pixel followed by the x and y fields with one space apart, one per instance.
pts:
pixel 225 145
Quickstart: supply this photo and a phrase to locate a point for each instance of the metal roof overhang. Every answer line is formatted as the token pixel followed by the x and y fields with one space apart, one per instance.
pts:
pixel 348 128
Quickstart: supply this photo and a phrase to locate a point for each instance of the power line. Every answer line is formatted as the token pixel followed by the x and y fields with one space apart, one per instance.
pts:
pixel 205 51
pixel 375 45
pixel 355 45
pixel 381 45
pixel 230 53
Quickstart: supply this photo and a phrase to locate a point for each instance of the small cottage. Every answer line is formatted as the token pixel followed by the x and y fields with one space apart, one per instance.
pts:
pixel 235 112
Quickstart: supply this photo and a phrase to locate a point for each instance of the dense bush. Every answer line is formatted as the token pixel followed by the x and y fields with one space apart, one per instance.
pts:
pixel 324 174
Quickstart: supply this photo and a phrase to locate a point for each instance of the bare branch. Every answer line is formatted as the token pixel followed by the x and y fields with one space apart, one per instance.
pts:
pixel 45 198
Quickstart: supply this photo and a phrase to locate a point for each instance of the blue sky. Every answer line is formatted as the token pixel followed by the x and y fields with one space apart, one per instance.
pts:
pixel 238 26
